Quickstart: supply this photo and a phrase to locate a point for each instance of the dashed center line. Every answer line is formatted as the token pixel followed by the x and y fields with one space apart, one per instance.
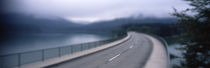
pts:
pixel 118 55
pixel 131 46
pixel 114 57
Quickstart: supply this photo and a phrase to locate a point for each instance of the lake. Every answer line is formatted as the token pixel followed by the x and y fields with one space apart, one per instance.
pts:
pixel 174 49
pixel 28 42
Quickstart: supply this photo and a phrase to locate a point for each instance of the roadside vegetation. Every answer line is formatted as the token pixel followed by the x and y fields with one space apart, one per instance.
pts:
pixel 196 38
pixel 191 31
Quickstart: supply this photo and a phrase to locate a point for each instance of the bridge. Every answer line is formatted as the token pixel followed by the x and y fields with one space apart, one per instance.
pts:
pixel 136 50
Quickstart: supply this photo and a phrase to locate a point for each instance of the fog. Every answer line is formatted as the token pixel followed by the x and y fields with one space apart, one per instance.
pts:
pixel 93 10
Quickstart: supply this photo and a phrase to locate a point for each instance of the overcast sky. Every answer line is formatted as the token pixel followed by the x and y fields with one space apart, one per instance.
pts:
pixel 95 10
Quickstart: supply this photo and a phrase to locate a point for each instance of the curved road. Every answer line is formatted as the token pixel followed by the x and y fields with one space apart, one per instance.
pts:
pixel 133 53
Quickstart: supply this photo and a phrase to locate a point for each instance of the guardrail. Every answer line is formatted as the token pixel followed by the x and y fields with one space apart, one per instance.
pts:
pixel 18 59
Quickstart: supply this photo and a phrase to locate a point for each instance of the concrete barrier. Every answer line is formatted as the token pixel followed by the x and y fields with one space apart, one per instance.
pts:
pixel 160 57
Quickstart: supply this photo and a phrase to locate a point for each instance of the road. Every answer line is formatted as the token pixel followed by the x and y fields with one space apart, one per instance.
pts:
pixel 133 53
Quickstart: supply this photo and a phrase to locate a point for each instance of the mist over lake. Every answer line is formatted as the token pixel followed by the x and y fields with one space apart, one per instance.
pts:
pixel 39 30
pixel 28 42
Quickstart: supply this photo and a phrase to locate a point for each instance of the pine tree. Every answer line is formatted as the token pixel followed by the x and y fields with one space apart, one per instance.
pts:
pixel 196 21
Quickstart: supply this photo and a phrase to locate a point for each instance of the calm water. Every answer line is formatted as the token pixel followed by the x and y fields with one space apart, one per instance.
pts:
pixel 174 49
pixel 29 42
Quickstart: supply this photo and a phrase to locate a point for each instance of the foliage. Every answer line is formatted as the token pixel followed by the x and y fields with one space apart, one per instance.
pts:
pixel 162 29
pixel 196 21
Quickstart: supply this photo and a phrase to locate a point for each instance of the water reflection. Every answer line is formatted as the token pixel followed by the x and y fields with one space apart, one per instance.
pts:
pixel 29 42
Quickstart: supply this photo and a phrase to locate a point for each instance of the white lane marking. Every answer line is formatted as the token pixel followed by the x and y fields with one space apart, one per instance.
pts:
pixel 131 46
pixel 114 57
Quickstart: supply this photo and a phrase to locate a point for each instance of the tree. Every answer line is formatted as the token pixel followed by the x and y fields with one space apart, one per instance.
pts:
pixel 196 21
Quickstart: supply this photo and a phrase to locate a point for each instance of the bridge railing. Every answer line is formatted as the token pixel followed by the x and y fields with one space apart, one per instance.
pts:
pixel 18 59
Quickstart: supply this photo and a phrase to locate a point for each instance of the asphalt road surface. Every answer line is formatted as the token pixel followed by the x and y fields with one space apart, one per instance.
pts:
pixel 133 53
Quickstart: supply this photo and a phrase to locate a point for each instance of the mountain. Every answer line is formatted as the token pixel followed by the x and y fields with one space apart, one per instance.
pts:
pixel 30 23
pixel 120 22
pixel 19 23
